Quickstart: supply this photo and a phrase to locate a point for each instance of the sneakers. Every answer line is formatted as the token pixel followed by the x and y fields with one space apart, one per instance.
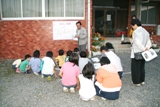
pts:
pixel 18 70
pixel 72 90
pixel 103 98
pixel 49 78
pixel 42 76
pixel 138 85
pixel 36 73
pixel 92 99
pixel 142 83
pixel 65 89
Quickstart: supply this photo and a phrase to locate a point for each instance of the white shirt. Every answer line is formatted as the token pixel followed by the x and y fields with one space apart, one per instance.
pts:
pixel 141 41
pixel 79 31
pixel 87 89
pixel 82 63
pixel 48 66
pixel 115 60
pixel 17 62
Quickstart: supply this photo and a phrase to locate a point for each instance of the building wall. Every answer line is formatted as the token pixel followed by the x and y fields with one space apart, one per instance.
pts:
pixel 23 37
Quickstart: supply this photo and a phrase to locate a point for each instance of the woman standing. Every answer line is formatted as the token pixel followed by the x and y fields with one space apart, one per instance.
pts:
pixel 141 42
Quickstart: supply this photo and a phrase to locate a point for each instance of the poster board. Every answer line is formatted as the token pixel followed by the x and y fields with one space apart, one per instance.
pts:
pixel 64 30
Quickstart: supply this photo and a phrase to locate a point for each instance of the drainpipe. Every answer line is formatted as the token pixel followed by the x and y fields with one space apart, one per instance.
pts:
pixel 138 9
pixel 89 50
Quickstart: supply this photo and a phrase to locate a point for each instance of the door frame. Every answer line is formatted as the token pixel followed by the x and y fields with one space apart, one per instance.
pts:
pixel 105 9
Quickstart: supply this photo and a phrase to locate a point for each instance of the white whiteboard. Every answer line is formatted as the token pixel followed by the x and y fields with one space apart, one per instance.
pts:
pixel 64 30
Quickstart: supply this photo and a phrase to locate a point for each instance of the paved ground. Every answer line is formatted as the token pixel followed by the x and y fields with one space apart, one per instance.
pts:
pixel 28 90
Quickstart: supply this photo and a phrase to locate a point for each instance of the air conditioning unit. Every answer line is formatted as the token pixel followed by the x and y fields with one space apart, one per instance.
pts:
pixel 158 30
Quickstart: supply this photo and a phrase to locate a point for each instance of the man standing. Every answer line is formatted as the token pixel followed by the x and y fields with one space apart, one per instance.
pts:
pixel 81 34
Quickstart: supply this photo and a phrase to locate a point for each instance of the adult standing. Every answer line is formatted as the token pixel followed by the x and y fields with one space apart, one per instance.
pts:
pixel 141 42
pixel 81 34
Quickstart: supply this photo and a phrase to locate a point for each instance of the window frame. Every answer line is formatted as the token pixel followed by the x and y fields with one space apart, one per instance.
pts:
pixel 146 23
pixel 43 14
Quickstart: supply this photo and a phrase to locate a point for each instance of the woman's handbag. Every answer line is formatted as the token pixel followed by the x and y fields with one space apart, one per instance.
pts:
pixel 138 56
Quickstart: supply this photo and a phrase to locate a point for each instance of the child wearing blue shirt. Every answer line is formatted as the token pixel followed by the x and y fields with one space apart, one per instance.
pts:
pixel 35 62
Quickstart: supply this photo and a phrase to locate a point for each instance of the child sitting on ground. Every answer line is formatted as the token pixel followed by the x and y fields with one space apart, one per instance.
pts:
pixel 76 50
pixel 35 62
pixel 83 60
pixel 114 59
pixel 87 90
pixel 16 64
pixel 48 66
pixel 60 59
pixel 69 73
pixel 24 66
pixel 69 52
pixel 108 84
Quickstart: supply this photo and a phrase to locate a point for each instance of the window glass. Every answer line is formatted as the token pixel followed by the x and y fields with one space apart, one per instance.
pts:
pixel 32 8
pixel 148 12
pixel 11 8
pixel 74 8
pixel 54 8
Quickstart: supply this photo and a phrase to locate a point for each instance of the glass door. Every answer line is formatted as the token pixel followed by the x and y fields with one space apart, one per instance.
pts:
pixel 104 22
pixel 99 21
pixel 109 23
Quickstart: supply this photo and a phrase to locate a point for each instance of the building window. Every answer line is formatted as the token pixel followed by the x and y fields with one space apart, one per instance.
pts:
pixel 73 8
pixel 54 8
pixel 11 8
pixel 149 12
pixel 42 9
pixel 32 8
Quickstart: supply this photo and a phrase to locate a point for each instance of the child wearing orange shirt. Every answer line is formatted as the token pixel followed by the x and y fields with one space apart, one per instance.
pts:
pixel 108 82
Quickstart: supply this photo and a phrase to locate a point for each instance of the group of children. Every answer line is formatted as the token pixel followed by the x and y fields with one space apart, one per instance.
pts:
pixel 77 72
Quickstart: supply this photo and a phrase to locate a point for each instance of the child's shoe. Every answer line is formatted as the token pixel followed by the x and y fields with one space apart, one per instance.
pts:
pixel 49 78
pixel 103 98
pixel 65 89
pixel 17 70
pixel 72 90
pixel 27 72
pixel 92 98
pixel 42 76
pixel 36 73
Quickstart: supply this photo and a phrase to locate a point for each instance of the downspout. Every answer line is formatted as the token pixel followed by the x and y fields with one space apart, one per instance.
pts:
pixel 89 30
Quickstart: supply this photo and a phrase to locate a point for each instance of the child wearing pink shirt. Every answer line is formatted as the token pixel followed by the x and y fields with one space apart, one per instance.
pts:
pixel 69 73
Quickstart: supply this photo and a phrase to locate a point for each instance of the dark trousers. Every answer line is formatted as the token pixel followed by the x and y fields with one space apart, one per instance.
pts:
pixel 137 71
pixel 120 74
pixel 82 48
pixel 107 95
